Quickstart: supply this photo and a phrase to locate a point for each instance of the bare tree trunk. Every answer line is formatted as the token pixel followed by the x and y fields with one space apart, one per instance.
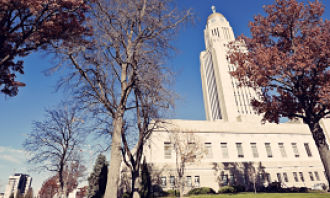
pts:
pixel 115 160
pixel 135 186
pixel 61 181
pixel 181 186
pixel 322 146
pixel 325 157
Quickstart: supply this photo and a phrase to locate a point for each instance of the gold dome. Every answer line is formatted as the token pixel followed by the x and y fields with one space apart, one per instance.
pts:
pixel 216 14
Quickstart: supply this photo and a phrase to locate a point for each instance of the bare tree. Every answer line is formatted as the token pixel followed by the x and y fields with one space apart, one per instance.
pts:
pixel 54 143
pixel 188 149
pixel 151 97
pixel 72 175
pixel 129 36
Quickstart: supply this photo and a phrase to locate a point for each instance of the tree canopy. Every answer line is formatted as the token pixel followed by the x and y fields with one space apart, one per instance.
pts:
pixel 287 57
pixel 27 25
pixel 287 61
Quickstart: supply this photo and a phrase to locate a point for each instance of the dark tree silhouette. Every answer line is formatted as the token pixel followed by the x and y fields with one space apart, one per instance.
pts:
pixel 98 178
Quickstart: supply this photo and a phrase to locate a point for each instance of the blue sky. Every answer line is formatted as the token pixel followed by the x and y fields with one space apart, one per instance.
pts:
pixel 17 113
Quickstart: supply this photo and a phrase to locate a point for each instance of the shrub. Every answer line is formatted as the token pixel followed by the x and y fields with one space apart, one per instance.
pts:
pixel 172 193
pixel 158 191
pixel 293 189
pixel 125 195
pixel 227 189
pixel 200 191
pixel 303 189
pixel 274 187
pixel 239 188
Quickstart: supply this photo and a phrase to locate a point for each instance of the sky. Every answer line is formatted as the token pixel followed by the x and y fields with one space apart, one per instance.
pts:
pixel 18 113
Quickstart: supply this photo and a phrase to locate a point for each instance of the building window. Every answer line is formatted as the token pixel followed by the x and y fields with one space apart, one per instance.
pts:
pixel 268 177
pixel 317 176
pixel 224 149
pixel 295 149
pixel 282 149
pixel 279 178
pixel 254 150
pixel 301 176
pixel 188 181
pixel 311 176
pixel 224 178
pixel 172 181
pixel 239 147
pixel 197 181
pixel 163 181
pixel 208 148
pixel 285 177
pixel 167 150
pixel 231 178
pixel 295 176
pixel 268 150
pixel 308 150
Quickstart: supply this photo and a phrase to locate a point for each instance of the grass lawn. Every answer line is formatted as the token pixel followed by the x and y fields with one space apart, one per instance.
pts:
pixel 266 195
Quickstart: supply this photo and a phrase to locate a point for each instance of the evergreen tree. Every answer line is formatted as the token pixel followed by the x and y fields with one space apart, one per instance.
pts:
pixel 146 181
pixel 98 178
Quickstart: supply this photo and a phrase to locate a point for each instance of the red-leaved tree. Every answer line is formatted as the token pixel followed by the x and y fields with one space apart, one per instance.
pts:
pixel 82 192
pixel 71 176
pixel 49 188
pixel 287 59
pixel 26 25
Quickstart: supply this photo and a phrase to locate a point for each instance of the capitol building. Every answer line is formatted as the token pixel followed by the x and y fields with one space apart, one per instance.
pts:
pixel 237 148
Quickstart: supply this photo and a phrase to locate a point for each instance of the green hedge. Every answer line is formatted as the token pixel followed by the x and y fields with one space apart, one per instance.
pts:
pixel 200 191
pixel 171 193
pixel 227 189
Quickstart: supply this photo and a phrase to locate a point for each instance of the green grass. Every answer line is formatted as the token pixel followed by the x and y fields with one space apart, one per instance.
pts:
pixel 266 195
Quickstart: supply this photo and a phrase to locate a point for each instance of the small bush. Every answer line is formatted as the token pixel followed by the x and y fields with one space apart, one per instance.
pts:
pixel 172 193
pixel 200 191
pixel 303 189
pixel 293 189
pixel 239 188
pixel 158 191
pixel 274 187
pixel 125 195
pixel 227 189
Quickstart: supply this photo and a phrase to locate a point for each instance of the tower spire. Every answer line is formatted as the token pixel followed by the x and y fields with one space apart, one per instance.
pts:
pixel 213 9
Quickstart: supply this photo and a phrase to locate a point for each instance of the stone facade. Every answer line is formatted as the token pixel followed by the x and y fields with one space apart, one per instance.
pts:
pixel 239 149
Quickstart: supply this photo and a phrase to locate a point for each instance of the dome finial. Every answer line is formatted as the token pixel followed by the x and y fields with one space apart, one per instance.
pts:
pixel 213 9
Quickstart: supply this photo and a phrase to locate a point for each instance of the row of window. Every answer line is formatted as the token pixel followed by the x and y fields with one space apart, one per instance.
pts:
pixel 188 181
pixel 281 177
pixel 312 176
pixel 240 152
pixel 225 33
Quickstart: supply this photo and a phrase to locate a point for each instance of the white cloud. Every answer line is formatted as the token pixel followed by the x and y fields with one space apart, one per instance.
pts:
pixel 12 155
pixel 10 158
pixel 4 149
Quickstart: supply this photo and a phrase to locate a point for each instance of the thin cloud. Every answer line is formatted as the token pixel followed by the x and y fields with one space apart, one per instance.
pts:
pixel 10 158
pixel 12 155
pixel 4 149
